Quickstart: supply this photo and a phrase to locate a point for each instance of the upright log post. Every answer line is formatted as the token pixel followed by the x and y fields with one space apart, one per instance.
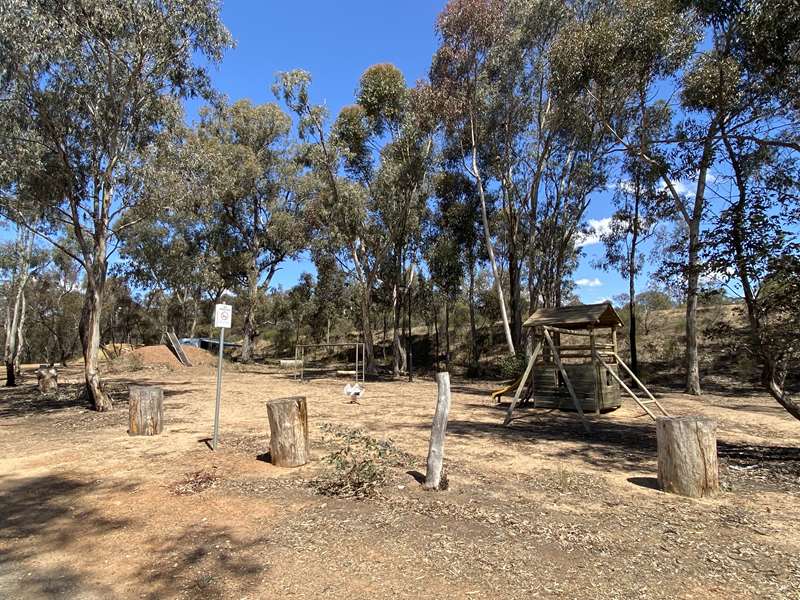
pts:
pixel 145 410
pixel 596 372
pixel 47 379
pixel 288 431
pixel 687 456
pixel 433 478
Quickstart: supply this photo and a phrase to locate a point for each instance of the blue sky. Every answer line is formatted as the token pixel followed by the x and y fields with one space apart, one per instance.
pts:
pixel 336 42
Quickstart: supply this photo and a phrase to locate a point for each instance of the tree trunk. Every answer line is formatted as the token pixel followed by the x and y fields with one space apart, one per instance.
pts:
pixel 489 248
pixel 398 353
pixel 687 456
pixel 447 334
pixel 11 375
pixel 436 333
pixel 15 305
pixel 473 330
pixel 89 330
pixel 433 477
pixel 145 410
pixel 632 283
pixel 366 324
pixel 692 289
pixel 693 221
pixel 288 430
pixel 195 311
pixel 250 333
pixel 410 350
pixel 783 398
pixel 383 343
pixel 515 289
pixel 21 333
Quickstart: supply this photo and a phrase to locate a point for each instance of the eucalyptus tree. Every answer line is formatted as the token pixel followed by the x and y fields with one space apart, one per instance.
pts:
pixel 171 253
pixel 519 130
pixel 55 302
pixel 640 206
pixel 639 210
pixel 254 207
pixel 19 262
pixel 455 250
pixel 753 241
pixel 626 52
pixel 371 171
pixel 88 84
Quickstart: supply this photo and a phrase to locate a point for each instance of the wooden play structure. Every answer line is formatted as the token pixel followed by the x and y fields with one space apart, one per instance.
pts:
pixel 583 376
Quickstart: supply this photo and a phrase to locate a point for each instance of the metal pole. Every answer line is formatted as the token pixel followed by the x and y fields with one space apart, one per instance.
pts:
pixel 219 387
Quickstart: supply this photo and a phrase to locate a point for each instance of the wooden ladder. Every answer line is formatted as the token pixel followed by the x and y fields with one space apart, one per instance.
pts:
pixel 644 404
pixel 175 345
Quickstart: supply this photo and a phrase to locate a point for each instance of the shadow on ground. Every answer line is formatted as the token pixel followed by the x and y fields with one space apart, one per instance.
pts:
pixel 46 522
pixel 44 515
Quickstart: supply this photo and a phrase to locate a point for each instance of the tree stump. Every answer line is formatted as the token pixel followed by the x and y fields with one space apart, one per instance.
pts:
pixel 47 378
pixel 687 456
pixel 146 410
pixel 288 431
pixel 433 477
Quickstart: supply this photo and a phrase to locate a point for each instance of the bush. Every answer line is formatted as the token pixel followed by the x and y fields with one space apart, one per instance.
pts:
pixel 359 466
pixel 512 367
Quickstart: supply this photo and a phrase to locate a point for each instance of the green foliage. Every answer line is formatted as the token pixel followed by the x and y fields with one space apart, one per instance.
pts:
pixel 382 95
pixel 511 367
pixel 359 465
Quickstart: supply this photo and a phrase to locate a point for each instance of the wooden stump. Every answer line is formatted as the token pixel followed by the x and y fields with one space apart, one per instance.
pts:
pixel 47 378
pixel 687 456
pixel 146 410
pixel 433 478
pixel 288 431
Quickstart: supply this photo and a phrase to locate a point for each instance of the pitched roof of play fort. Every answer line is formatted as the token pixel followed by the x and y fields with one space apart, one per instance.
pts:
pixel 581 316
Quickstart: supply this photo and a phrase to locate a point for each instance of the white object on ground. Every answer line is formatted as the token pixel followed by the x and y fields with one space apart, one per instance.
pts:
pixel 353 391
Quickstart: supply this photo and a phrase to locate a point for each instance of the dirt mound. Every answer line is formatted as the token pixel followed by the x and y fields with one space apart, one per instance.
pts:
pixel 160 355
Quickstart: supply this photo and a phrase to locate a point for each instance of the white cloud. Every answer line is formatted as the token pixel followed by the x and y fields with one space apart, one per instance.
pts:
pixel 717 278
pixel 626 186
pixel 683 188
pixel 596 229
pixel 586 282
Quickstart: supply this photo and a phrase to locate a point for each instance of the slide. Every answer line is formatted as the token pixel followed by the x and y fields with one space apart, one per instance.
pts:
pixel 507 390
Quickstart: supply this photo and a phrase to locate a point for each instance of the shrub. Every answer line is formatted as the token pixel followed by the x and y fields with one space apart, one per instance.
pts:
pixel 359 465
pixel 511 367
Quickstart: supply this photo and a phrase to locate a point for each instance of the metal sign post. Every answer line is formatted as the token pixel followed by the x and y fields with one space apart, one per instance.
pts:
pixel 222 319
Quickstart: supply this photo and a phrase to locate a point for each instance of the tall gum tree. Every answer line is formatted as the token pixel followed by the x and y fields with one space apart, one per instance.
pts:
pixel 370 169
pixel 625 52
pixel 256 212
pixel 89 84
pixel 468 30
pixel 753 242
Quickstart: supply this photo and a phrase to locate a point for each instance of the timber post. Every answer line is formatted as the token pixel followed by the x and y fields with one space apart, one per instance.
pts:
pixel 288 431
pixel 145 410
pixel 687 456
pixel 433 477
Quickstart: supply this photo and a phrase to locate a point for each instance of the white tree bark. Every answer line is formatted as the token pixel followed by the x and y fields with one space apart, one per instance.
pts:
pixel 489 248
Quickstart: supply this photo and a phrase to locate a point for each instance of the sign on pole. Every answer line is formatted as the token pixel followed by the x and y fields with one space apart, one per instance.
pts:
pixel 223 314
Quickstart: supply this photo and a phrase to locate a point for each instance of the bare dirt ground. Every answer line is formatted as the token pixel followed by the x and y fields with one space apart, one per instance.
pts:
pixel 537 510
